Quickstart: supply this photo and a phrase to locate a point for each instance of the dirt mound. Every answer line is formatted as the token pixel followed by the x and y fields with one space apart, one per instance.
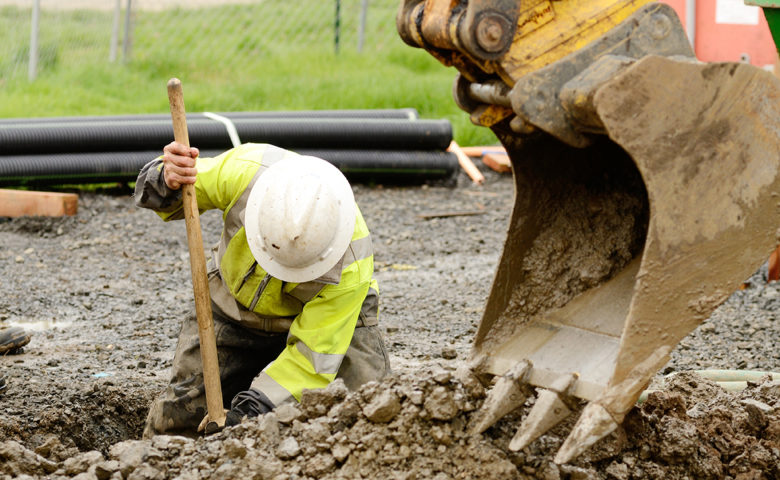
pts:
pixel 416 428
pixel 105 292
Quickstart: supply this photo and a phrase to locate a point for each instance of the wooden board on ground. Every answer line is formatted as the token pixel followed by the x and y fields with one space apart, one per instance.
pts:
pixel 497 161
pixel 19 203
pixel 479 151
pixel 466 164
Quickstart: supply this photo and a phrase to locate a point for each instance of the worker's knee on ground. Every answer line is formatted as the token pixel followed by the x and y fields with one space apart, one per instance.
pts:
pixel 366 358
pixel 155 422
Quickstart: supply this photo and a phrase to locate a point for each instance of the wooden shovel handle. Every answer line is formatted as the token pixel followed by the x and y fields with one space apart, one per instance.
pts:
pixel 200 283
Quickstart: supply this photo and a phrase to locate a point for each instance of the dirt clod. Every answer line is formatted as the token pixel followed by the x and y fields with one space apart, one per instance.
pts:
pixel 383 407
pixel 441 405
pixel 18 460
pixel 288 449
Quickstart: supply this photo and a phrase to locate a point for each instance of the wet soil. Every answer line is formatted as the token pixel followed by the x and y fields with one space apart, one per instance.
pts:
pixel 104 292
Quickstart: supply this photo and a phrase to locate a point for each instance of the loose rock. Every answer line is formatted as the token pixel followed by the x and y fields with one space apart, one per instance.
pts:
pixel 288 449
pixel 383 408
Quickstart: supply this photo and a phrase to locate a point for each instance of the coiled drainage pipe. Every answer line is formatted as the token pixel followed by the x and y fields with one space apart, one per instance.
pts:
pixel 97 167
pixel 373 145
pixel 393 134
pixel 397 113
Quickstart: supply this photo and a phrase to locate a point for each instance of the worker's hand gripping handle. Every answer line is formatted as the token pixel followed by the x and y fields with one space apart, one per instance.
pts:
pixel 208 344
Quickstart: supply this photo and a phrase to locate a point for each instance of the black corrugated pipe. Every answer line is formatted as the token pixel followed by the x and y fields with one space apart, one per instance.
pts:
pixel 386 166
pixel 399 113
pixel 366 134
pixel 357 165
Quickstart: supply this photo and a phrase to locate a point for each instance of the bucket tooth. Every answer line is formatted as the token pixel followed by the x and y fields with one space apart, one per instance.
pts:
pixel 548 412
pixel 552 407
pixel 594 424
pixel 602 416
pixel 509 393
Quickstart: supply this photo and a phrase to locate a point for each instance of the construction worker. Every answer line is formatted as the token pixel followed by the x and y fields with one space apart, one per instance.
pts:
pixel 291 281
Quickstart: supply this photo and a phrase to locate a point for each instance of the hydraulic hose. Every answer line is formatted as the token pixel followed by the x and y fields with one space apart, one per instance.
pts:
pixel 357 165
pixel 374 134
pixel 400 113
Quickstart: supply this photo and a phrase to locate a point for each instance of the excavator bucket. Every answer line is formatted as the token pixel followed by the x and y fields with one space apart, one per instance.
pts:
pixel 647 188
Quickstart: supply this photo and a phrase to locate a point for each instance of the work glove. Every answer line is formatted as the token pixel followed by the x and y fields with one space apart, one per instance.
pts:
pixel 249 403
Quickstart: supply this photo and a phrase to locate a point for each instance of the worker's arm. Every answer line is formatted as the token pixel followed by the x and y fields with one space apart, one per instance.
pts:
pixel 219 181
pixel 152 192
pixel 316 346
pixel 159 183
pixel 179 165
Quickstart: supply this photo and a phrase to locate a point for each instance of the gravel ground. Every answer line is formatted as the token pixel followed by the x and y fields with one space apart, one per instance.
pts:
pixel 105 290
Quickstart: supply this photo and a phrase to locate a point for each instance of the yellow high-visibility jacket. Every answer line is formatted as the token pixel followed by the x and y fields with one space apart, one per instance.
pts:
pixel 320 315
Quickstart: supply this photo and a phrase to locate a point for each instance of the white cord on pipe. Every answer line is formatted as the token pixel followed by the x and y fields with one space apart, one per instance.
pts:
pixel 229 125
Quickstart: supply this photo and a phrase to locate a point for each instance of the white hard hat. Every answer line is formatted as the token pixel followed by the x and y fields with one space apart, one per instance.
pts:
pixel 300 218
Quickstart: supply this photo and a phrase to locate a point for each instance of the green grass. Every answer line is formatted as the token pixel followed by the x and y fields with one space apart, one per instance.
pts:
pixel 239 69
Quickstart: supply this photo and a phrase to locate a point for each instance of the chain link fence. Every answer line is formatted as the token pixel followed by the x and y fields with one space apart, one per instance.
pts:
pixel 36 35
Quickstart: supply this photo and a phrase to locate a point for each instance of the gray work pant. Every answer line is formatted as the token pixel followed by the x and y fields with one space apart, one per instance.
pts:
pixel 242 354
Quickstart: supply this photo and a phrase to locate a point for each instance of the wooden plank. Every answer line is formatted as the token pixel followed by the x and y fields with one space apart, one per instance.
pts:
pixel 498 162
pixel 19 203
pixel 466 164
pixel 483 150
pixel 773 273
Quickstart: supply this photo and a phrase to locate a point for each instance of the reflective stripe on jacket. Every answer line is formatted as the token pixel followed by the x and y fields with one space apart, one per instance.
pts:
pixel 320 315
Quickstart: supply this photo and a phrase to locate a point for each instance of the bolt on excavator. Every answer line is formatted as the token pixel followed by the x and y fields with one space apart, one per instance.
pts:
pixel 647 189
